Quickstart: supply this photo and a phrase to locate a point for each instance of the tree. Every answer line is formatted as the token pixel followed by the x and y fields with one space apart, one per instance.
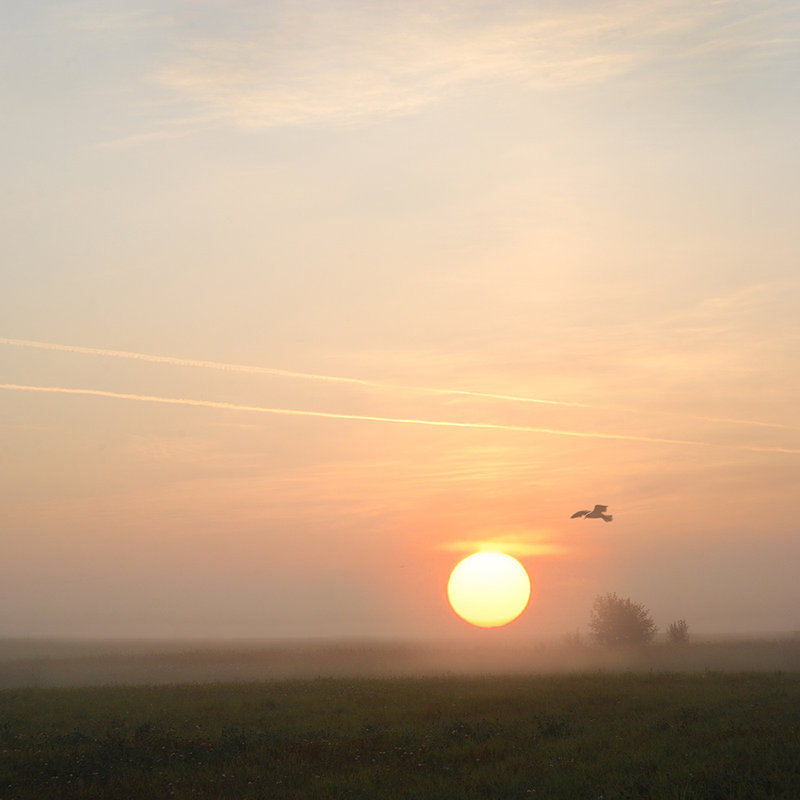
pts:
pixel 618 621
pixel 678 632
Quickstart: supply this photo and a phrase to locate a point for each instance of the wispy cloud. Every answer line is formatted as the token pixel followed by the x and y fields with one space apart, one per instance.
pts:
pixel 345 64
pixel 515 542
pixel 172 131
pixel 94 20
pixel 347 71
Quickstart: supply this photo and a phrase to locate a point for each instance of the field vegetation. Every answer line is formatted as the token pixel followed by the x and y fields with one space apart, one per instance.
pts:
pixel 603 735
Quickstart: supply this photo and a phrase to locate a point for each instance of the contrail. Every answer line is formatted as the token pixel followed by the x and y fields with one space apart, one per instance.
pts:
pixel 253 370
pixel 191 362
pixel 364 417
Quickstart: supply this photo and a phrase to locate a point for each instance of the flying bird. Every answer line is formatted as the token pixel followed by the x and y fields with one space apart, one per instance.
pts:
pixel 595 513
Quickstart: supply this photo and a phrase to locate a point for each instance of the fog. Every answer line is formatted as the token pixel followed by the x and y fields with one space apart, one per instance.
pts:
pixel 64 662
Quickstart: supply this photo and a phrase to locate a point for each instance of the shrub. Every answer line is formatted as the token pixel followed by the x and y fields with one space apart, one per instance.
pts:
pixel 678 632
pixel 618 621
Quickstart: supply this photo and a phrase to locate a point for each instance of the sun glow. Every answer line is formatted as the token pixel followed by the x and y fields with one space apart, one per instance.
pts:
pixel 489 589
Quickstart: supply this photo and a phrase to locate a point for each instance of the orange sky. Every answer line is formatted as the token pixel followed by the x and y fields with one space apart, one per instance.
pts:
pixel 304 302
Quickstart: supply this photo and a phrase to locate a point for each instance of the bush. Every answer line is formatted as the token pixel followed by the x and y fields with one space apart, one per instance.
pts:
pixel 618 621
pixel 678 632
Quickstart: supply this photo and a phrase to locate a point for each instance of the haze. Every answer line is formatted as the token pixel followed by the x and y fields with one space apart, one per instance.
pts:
pixel 302 303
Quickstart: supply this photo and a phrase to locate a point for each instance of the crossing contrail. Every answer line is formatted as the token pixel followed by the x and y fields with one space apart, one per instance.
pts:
pixel 182 401
pixel 256 370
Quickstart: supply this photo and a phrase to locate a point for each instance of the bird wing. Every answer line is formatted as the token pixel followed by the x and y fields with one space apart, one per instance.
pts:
pixel 601 508
pixel 579 514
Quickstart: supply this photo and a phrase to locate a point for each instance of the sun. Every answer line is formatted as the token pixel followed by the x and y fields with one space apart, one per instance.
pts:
pixel 489 589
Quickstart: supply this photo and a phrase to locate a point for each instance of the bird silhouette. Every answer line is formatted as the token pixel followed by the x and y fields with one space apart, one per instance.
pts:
pixel 596 513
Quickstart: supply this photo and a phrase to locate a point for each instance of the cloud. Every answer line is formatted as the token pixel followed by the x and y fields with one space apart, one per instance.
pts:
pixel 172 132
pixel 519 542
pixel 92 20
pixel 355 73
pixel 345 64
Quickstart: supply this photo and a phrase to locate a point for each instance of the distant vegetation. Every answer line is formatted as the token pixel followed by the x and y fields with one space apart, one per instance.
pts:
pixel 616 621
pixel 707 735
pixel 678 632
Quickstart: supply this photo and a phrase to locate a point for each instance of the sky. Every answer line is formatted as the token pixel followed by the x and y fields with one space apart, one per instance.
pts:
pixel 301 303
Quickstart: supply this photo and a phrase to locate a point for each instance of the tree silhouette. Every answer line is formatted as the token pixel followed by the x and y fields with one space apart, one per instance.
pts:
pixel 618 621
pixel 678 632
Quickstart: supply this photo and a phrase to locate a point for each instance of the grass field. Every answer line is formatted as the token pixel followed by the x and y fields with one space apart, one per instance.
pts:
pixel 708 735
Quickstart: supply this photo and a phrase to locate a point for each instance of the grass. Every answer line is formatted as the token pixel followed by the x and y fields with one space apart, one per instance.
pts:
pixel 711 735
